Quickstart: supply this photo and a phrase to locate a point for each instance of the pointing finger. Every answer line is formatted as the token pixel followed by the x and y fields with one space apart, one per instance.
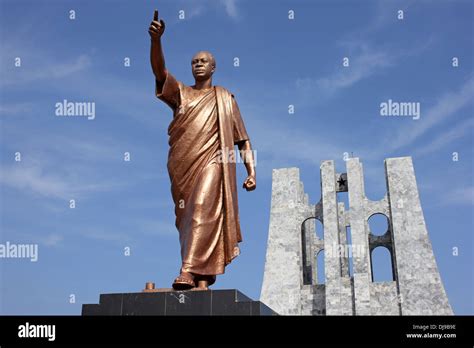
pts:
pixel 155 15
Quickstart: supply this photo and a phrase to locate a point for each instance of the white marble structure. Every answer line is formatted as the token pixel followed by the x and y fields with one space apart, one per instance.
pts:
pixel 290 284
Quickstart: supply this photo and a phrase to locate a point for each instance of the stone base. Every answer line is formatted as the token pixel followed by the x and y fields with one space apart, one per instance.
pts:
pixel 169 302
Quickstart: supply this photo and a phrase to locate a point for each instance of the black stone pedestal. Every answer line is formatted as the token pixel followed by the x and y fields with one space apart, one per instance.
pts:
pixel 210 302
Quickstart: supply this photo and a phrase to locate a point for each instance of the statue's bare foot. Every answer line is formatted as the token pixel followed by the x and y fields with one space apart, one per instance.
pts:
pixel 185 281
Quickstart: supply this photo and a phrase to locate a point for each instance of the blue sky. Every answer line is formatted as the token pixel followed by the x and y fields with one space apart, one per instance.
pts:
pixel 299 62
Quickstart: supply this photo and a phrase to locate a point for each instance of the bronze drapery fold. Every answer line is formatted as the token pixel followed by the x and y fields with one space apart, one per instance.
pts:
pixel 205 127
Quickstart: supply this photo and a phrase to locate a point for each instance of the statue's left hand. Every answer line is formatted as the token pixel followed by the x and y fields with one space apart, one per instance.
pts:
pixel 250 183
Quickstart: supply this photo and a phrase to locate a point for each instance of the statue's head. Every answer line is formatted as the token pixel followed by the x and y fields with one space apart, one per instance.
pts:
pixel 203 65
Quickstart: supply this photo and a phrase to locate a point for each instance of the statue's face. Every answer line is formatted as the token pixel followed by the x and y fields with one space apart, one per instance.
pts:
pixel 203 66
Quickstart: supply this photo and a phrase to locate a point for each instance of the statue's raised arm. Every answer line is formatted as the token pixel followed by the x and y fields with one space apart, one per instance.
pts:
pixel 157 59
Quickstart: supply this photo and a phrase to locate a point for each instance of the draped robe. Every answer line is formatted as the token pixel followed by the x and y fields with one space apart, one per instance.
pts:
pixel 205 127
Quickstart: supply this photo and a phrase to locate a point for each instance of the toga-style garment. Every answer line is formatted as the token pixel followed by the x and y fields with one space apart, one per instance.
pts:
pixel 205 127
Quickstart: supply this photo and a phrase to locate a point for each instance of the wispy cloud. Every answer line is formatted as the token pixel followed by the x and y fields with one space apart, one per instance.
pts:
pixel 446 108
pixel 131 230
pixel 462 195
pixel 278 145
pixel 51 69
pixel 51 240
pixel 157 227
pixel 445 138
pixel 367 57
pixel 33 179
pixel 68 171
pixel 231 8
pixel 15 109
pixel 369 62
pixel 194 9
pixel 385 13
pixel 197 8
pixel 105 235
pixel 47 239
pixel 454 197
pixel 107 91
pixel 36 179
pixel 364 62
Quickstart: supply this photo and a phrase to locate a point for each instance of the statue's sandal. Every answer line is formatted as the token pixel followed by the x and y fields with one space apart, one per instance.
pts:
pixel 183 282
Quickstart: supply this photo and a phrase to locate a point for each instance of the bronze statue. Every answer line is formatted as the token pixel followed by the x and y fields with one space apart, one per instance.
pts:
pixel 205 128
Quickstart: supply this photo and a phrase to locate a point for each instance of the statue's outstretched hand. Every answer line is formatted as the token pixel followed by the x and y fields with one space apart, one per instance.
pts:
pixel 250 183
pixel 157 27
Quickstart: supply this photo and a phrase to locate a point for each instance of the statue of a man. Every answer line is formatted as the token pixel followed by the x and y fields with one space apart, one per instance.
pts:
pixel 205 128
